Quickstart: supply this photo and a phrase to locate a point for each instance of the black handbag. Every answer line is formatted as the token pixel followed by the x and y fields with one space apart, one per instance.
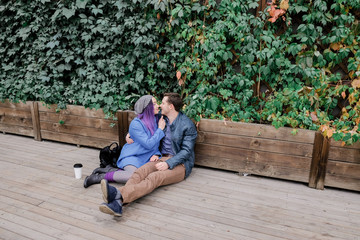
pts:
pixel 109 155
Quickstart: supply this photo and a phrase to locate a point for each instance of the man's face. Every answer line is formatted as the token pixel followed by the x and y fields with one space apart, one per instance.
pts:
pixel 165 106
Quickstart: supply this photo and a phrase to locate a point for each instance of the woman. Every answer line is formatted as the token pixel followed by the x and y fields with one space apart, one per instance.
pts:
pixel 146 134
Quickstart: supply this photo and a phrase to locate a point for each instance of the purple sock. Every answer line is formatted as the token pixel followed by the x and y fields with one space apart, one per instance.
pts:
pixel 110 176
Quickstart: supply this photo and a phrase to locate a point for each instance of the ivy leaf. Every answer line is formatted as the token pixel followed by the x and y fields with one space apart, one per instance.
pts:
pixel 253 5
pixel 52 44
pixel 95 11
pixel 68 13
pixel 54 16
pixel 81 3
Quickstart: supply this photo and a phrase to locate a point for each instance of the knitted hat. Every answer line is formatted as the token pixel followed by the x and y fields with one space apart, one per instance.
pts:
pixel 142 103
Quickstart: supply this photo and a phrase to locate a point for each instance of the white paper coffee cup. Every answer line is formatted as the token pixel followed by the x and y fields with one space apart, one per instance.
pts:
pixel 78 170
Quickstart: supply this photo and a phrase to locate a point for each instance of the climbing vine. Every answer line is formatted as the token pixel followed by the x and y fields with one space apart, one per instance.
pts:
pixel 294 64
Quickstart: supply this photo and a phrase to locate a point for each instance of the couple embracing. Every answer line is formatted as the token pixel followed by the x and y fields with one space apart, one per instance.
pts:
pixel 160 152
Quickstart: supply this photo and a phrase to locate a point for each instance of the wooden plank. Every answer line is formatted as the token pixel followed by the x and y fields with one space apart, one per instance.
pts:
pixel 9 235
pixel 350 170
pixel 131 116
pixel 26 131
pixel 35 119
pixel 343 175
pixel 78 130
pixel 77 139
pixel 246 155
pixel 19 105
pixel 123 126
pixel 343 154
pixel 19 113
pixel 256 143
pixel 256 130
pixel 11 223
pixel 72 110
pixel 339 144
pixel 75 120
pixel 319 161
pixel 257 168
pixel 15 120
pixel 342 182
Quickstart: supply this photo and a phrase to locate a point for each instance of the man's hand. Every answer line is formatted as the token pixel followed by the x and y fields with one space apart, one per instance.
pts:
pixel 154 158
pixel 162 166
pixel 128 139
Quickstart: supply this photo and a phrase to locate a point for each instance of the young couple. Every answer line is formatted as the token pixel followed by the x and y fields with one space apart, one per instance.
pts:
pixel 165 162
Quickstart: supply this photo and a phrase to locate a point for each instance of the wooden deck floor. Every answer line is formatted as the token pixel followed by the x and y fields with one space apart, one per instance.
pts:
pixel 41 199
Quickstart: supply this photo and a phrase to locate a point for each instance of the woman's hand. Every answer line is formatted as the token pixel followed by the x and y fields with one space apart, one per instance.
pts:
pixel 162 166
pixel 162 123
pixel 154 158
pixel 128 139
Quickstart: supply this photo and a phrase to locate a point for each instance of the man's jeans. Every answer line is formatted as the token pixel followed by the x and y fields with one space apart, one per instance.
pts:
pixel 147 178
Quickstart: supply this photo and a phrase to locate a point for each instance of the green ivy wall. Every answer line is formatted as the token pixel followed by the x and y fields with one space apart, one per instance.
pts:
pixel 296 65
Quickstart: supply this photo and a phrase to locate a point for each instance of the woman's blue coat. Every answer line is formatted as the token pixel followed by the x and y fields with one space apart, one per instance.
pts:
pixel 144 146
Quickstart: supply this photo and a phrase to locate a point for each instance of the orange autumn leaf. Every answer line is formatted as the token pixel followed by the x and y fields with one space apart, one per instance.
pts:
pixel 323 128
pixel 284 4
pixel 329 133
pixel 335 46
pixel 357 121
pixel 178 75
pixel 352 98
pixel 356 83
pixel 314 116
pixel 343 143
pixel 275 13
pixel 343 94
pixel 158 16
pixel 271 11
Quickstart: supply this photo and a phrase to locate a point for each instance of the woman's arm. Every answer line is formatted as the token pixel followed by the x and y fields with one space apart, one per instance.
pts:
pixel 138 133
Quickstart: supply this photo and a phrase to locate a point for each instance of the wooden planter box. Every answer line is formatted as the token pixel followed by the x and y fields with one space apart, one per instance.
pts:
pixel 255 149
pixel 17 118
pixel 242 147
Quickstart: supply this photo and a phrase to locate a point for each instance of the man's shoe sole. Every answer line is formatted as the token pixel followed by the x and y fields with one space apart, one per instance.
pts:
pixel 107 210
pixel 104 190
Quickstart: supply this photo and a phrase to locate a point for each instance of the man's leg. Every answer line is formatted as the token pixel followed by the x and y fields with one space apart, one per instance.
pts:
pixel 142 172
pixel 131 192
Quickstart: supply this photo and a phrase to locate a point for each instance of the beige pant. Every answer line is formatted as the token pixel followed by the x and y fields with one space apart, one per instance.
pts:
pixel 147 178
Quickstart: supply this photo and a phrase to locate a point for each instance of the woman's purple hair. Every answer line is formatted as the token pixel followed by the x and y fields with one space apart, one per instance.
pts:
pixel 147 117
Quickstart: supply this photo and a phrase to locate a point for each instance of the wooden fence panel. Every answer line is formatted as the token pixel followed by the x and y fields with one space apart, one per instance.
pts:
pixel 16 118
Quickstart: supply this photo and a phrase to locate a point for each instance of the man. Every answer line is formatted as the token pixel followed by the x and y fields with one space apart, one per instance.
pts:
pixel 177 160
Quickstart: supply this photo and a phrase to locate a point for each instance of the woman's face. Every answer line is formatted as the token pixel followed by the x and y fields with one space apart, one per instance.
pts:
pixel 156 106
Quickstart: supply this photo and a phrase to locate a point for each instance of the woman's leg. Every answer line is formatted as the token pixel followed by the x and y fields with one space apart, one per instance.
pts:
pixel 123 176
